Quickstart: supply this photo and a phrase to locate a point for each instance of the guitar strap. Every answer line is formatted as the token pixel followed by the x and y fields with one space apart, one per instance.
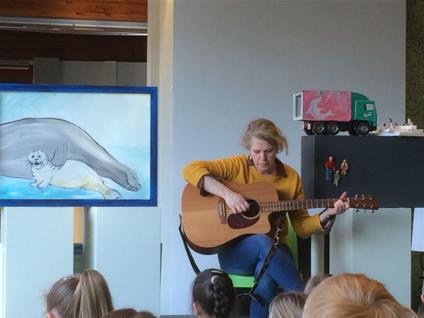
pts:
pixel 258 298
pixel 187 249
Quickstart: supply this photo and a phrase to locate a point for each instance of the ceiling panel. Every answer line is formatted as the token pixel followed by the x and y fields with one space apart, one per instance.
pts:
pixel 27 45
pixel 108 10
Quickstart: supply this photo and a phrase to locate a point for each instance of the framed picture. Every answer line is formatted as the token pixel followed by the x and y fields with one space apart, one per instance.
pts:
pixel 78 145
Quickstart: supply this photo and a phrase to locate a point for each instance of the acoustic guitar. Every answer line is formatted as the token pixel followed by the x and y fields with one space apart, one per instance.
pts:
pixel 208 224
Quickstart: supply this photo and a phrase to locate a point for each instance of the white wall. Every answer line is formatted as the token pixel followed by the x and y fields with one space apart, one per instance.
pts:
pixel 377 244
pixel 237 60
pixel 124 245
pixel 37 249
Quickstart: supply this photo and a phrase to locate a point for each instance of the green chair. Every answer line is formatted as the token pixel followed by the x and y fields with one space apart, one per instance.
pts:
pixel 246 282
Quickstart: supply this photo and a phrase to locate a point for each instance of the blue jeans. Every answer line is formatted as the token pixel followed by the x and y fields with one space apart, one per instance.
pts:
pixel 246 257
pixel 329 173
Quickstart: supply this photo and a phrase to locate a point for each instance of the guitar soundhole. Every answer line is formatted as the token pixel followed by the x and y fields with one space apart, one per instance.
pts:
pixel 245 219
pixel 253 209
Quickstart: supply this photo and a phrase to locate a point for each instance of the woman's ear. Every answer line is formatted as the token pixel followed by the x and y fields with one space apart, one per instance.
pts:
pixel 197 311
pixel 52 314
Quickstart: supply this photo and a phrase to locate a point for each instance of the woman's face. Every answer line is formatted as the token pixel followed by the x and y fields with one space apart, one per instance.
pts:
pixel 263 156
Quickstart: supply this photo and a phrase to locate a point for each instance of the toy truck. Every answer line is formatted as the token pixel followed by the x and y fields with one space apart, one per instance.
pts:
pixel 328 112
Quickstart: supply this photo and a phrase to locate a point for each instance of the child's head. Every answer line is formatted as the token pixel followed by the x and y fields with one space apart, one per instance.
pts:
pixel 81 295
pixel 351 295
pixel 315 281
pixel 287 305
pixel 121 313
pixel 129 313
pixel 59 299
pixel 213 294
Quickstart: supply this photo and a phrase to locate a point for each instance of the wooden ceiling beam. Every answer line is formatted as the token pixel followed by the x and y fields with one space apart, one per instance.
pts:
pixel 105 10
pixel 76 47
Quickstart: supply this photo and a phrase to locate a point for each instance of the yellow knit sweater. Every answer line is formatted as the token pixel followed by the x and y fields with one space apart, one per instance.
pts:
pixel 240 169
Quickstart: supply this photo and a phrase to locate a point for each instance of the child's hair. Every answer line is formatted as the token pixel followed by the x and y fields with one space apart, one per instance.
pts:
pixel 351 295
pixel 287 305
pixel 144 314
pixel 60 296
pixel 129 313
pixel 84 295
pixel 314 281
pixel 122 313
pixel 213 291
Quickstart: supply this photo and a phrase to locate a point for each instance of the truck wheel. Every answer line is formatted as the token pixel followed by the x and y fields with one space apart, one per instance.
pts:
pixel 319 128
pixel 333 128
pixel 362 128
pixel 309 132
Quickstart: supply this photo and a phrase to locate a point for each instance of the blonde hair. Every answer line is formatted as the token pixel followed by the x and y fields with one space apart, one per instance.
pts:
pixel 266 130
pixel 351 295
pixel 287 305
pixel 84 295
pixel 314 281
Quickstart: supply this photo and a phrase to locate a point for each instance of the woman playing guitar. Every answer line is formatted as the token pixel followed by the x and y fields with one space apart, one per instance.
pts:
pixel 264 141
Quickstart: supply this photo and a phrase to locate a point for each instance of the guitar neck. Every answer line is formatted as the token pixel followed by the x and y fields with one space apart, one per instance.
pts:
pixel 290 205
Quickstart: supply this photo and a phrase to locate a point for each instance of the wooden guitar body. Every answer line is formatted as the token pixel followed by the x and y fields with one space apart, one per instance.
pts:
pixel 210 225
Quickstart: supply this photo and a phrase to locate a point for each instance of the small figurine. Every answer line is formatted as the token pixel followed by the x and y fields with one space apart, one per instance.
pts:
pixel 409 122
pixel 391 125
pixel 330 167
pixel 337 177
pixel 344 167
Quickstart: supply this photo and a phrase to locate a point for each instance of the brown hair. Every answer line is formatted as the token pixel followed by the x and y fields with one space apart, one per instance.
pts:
pixel 287 305
pixel 420 311
pixel 213 291
pixel 144 314
pixel 121 313
pixel 60 296
pixel 351 295
pixel 409 313
pixel 314 281
pixel 129 313
pixel 266 130
pixel 84 295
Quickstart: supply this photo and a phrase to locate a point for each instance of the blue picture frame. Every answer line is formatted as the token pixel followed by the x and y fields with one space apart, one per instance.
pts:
pixel 66 145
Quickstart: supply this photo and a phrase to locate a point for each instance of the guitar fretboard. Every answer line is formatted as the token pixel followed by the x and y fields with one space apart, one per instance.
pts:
pixel 290 205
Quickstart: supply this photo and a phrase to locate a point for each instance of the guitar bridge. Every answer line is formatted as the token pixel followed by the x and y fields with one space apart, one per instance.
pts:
pixel 222 210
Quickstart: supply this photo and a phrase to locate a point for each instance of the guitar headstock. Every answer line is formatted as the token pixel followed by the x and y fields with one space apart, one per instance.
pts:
pixel 363 202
